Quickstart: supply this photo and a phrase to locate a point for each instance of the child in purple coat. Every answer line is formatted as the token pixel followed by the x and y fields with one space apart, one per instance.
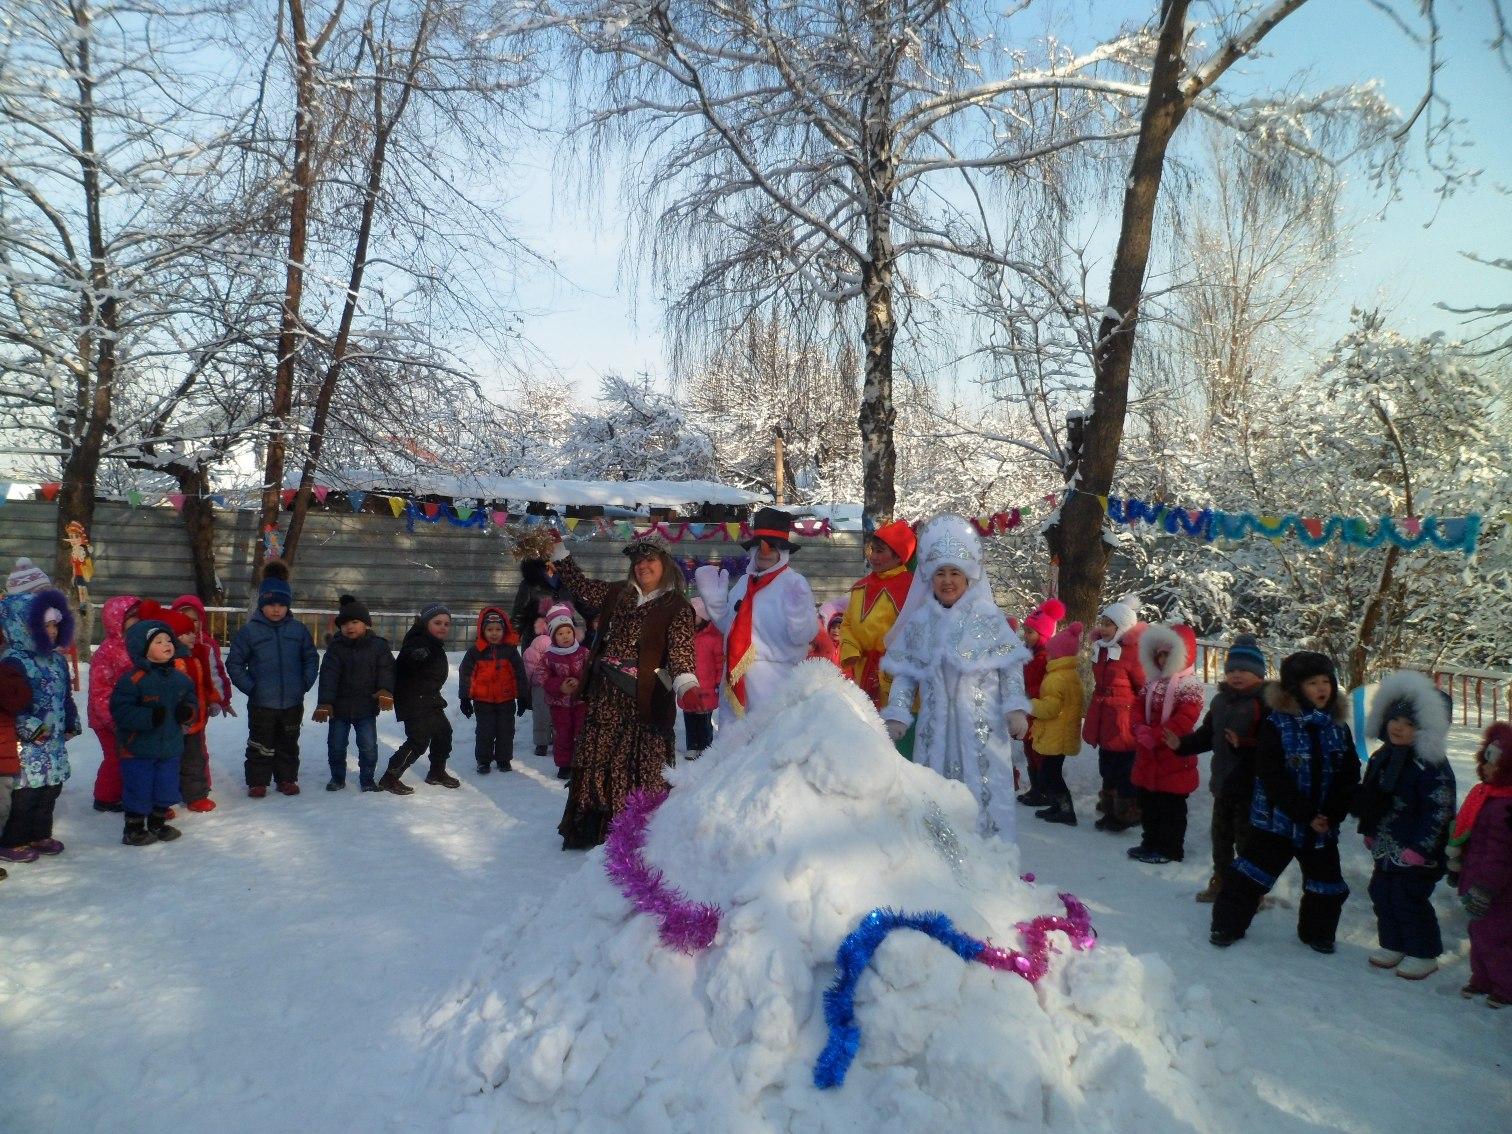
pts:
pixel 1480 851
pixel 564 666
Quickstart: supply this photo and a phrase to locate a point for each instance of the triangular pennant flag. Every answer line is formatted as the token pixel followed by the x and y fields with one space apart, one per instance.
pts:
pixel 1314 527
pixel 396 506
pixel 356 500
pixel 321 492
pixel 4 491
pixel 218 500
pixel 572 523
pixel 623 530
pixel 463 512
pixel 431 509
pixel 50 490
pixel 1103 500
pixel 698 530
pixel 1413 526
pixel 287 496
pixel 177 500
pixel 134 498
pixel 500 518
pixel 732 532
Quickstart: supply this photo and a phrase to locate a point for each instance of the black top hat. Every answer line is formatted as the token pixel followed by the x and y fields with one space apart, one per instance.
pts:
pixel 774 526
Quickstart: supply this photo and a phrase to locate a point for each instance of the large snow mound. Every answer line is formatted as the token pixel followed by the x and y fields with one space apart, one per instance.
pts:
pixel 798 821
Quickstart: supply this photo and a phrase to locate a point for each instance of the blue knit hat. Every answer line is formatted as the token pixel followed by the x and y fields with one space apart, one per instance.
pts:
pixel 275 590
pixel 1245 654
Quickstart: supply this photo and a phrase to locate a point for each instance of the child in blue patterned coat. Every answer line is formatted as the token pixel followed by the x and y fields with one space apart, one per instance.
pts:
pixel 1406 806
pixel 1306 773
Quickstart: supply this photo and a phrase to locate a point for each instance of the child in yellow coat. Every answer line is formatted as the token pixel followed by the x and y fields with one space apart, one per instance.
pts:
pixel 1057 713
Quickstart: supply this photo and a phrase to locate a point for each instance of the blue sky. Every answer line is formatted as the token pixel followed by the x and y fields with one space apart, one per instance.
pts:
pixel 1403 255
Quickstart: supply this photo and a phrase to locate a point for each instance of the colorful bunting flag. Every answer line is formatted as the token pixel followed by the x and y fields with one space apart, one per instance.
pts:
pixel 50 491
pixel 356 500
pixel 177 500
pixel 396 506
pixel 321 492
pixel 134 498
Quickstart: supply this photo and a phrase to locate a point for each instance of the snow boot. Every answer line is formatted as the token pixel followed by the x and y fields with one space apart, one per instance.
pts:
pixel 1386 959
pixel 1324 947
pixel 47 846
pixel 1060 811
pixel 507 766
pixel 1035 798
pixel 336 785
pixel 1214 887
pixel 290 788
pixel 440 777
pixel 157 825
pixel 369 785
pixel 1470 991
pixel 1149 856
pixel 4 874
pixel 1123 816
pixel 1495 1001
pixel 19 854
pixel 564 773
pixel 1223 939
pixel 540 750
pixel 202 805
pixel 484 769
pixel 136 833
pixel 113 808
pixel 392 783
pixel 257 791
pixel 1417 968
pixel 1105 803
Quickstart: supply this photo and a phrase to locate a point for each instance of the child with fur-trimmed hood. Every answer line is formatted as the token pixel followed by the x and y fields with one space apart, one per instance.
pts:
pixel 1306 772
pixel 1169 707
pixel 1405 804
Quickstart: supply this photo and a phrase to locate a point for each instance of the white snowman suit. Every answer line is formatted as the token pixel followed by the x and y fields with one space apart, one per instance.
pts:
pixel 783 626
pixel 966 667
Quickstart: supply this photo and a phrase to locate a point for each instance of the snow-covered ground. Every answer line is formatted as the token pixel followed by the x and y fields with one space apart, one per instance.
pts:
pixel 299 964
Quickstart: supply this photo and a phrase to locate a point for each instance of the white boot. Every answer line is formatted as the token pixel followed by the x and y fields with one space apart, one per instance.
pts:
pixel 1416 968
pixel 1386 958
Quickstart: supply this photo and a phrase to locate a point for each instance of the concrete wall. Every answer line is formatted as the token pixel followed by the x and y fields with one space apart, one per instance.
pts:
pixel 144 551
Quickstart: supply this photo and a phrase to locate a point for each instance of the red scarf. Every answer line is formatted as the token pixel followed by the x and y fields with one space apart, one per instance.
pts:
pixel 1469 811
pixel 740 650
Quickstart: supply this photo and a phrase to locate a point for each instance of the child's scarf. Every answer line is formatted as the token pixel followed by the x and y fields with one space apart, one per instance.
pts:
pixel 1470 810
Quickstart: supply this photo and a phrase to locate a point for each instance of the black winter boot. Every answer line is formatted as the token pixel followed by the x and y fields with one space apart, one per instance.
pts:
pixel 136 833
pixel 440 777
pixel 157 824
pixel 1060 811
pixel 392 783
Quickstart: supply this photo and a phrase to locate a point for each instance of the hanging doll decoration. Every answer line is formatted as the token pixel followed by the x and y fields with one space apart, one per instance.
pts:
pixel 81 556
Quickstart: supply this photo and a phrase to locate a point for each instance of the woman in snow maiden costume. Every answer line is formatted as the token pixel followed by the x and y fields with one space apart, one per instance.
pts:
pixel 768 618
pixel 1480 850
pixel 953 650
pixel 642 662
pixel 38 626
pixel 1406 804
pixel 1306 772
pixel 1117 679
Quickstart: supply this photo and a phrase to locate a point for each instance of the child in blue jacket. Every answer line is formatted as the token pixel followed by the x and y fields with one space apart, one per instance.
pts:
pixel 1406 806
pixel 273 661
pixel 149 708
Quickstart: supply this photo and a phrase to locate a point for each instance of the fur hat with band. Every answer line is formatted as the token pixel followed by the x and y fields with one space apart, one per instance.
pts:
pixel 352 610
pixel 1124 613
pixel 899 538
pixel 1065 643
pixel 1408 695
pixel 772 526
pixel 1299 667
pixel 1245 656
pixel 1046 618
pixel 26 578
pixel 1178 643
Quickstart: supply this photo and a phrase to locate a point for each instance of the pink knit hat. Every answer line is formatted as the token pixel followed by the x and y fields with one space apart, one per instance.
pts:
pixel 1045 618
pixel 559 615
pixel 1066 643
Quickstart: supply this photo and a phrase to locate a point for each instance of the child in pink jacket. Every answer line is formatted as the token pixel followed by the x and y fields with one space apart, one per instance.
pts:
pixel 564 666
pixel 699 705
pixel 106 667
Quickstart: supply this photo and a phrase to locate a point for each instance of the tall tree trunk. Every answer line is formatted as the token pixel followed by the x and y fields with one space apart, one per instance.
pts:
pixel 1077 539
pixel 383 127
pixel 879 455
pixel 199 525
pixel 289 326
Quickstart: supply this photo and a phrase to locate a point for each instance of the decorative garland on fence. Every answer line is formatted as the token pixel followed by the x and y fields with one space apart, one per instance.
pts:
pixel 856 951
pixel 686 925
pixel 1444 533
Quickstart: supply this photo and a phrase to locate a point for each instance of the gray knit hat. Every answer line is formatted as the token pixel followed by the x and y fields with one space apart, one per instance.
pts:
pixel 1245 654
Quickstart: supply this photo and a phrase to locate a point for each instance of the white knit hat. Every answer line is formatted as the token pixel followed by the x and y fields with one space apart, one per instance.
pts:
pixel 26 578
pixel 1124 613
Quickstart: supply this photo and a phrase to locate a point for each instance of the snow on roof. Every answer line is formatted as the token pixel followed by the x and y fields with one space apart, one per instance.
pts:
pixel 604 493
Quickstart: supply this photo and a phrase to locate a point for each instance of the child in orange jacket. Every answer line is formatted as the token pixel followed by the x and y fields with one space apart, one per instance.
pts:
pixel 493 689
pixel 194 661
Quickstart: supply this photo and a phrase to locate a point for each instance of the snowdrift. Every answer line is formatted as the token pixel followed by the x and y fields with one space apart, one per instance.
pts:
pixel 799 821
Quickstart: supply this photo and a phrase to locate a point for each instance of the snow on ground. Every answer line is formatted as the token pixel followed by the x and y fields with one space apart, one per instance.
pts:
pixel 310 964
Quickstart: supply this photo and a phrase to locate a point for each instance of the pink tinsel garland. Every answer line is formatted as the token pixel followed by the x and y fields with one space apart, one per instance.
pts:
pixel 686 926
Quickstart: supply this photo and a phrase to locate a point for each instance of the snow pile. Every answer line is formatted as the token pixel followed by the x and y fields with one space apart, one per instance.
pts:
pixel 799 821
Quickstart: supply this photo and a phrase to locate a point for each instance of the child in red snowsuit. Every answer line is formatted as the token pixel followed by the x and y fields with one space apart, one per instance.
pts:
pixel 699 705
pixel 564 665
pixel 1480 852
pixel 192 608
pixel 194 661
pixel 106 666
pixel 1109 725
pixel 1169 708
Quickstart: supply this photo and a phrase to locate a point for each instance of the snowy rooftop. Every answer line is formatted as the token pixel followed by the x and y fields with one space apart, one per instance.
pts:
pixel 604 493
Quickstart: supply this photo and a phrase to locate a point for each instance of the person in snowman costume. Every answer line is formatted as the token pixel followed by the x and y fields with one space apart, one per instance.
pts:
pixel 953 654
pixel 768 618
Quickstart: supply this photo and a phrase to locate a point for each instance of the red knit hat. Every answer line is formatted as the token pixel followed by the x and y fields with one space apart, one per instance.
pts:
pixel 1046 618
pixel 899 537
pixel 178 623
pixel 1066 643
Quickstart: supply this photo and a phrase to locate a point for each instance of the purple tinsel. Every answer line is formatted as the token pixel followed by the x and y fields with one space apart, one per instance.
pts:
pixel 686 926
